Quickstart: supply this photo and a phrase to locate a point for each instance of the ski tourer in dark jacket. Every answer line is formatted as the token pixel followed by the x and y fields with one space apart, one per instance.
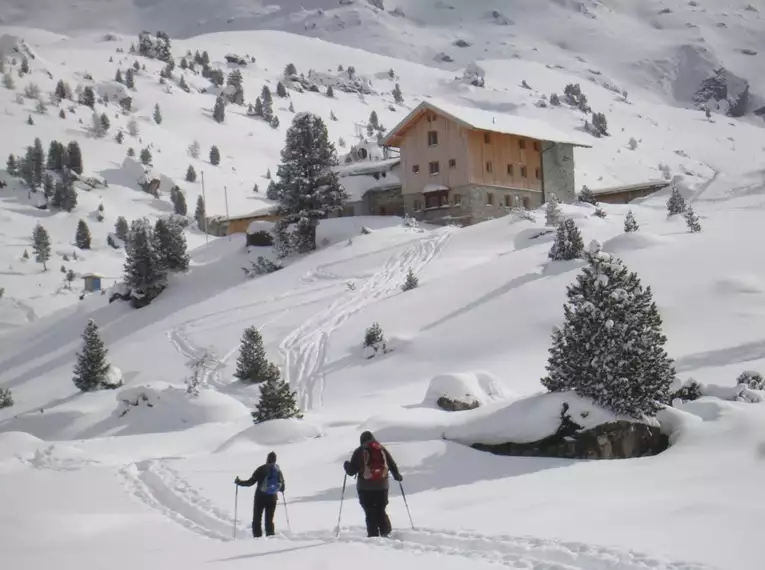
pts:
pixel 371 463
pixel 269 482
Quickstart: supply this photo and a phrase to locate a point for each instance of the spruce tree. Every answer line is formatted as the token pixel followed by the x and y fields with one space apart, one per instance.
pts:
pixel 553 212
pixel 183 85
pixel 62 114
pixel 277 401
pixel 308 187
pixel 375 339
pixel 82 236
pixel 199 213
pixel 258 109
pixel 119 137
pixel 74 157
pixel 121 228
pixel 676 202
pixel 38 163
pixel 144 273
pixel 290 70
pixel 118 76
pixel 145 156
pixel 630 223
pixel 281 91
pixel 191 174
pixel 214 155
pixel 411 282
pixel 219 111
pixel 55 156
pixel 692 220
pixel 587 196
pixel 104 123
pixel 268 103
pixel 568 242
pixel 252 366
pixel 170 245
pixel 41 245
pixel 61 90
pixel 398 97
pixel 11 165
pixel 88 97
pixel 374 122
pixel 130 78
pixel 178 198
pixel 234 81
pixel 157 114
pixel 68 196
pixel 610 347
pixel 49 186
pixel 91 371
pixel 330 91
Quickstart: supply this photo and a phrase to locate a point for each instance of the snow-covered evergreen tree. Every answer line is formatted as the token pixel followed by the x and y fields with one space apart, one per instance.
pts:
pixel 92 367
pixel 237 89
pixel 144 272
pixel 752 379
pixel 74 157
pixel 398 97
pixel 290 70
pixel 568 242
pixel 49 186
pixel 268 103
pixel 676 202
pixel 252 366
pixel 630 223
pixel 38 163
pixel 553 212
pixel 88 97
pixel 330 91
pixel 130 78
pixel 611 347
pixel 308 187
pixel 214 155
pixel 157 114
pixel 374 340
pixel 587 196
pixel 277 400
pixel 178 198
pixel 200 214
pixel 121 228
pixel 41 245
pixel 191 174
pixel 170 245
pixel 145 156
pixel 600 212
pixel 194 149
pixel 6 398
pixel 692 220
pixel 11 165
pixel 82 236
pixel 219 111
pixel 411 282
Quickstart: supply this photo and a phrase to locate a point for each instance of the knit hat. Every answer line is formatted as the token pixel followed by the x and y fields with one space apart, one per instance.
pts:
pixel 271 458
pixel 366 437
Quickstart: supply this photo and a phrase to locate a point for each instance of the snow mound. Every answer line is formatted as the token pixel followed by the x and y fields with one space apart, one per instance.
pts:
pixel 634 240
pixel 480 388
pixel 530 419
pixel 748 284
pixel 419 424
pixel 15 443
pixel 275 432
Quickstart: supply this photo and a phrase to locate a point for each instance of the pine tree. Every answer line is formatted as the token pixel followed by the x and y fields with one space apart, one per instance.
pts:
pixel 330 91
pixel 587 196
pixel 24 69
pixel 49 186
pixel 274 122
pixel 61 90
pixel 411 282
pixel 676 202
pixel 272 192
pixel 290 70
pixel 277 401
pixel 568 242
pixel 611 347
pixel 600 213
pixel 62 114
pixel 219 111
pixel 145 156
pixel 191 174
pixel 268 103
pixel 553 212
pixel 55 159
pixel 214 155
pixel 144 273
pixel 82 236
pixel 130 78
pixel 88 97
pixel 252 366
pixel 38 163
pixel 199 213
pixel 91 371
pixel 554 100
pixel 68 196
pixel 105 123
pixel 258 109
pixel 237 92
pixel 308 187
pixel 132 128
pixel 26 168
pixel 121 228
pixel 194 149
pixel 183 85
pixel 374 122
pixel 170 245
pixel 119 137
pixel 74 157
pixel 281 91
pixel 157 114
pixel 41 245
pixel 375 339
pixel 398 97
pixel 11 165
pixel 630 223
pixel 30 120
pixel 692 220
pixel 118 76
pixel 291 107
pixel 179 201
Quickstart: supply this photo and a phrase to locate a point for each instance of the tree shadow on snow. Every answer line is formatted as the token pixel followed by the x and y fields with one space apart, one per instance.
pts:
pixel 747 352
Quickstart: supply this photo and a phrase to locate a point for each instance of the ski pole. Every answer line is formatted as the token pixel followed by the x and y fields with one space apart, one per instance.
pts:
pixel 286 513
pixel 406 504
pixel 340 514
pixel 236 507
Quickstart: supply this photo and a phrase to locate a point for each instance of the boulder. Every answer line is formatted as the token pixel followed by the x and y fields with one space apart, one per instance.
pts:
pixel 450 405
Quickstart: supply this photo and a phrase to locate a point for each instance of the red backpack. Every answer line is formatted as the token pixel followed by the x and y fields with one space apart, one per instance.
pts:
pixel 375 462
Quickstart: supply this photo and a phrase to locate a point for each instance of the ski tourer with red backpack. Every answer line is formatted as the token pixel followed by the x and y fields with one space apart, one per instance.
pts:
pixel 269 483
pixel 372 464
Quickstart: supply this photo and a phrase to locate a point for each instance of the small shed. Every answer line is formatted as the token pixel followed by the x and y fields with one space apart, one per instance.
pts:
pixel 92 281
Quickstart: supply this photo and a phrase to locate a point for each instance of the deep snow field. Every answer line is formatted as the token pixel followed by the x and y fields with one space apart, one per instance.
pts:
pixel 90 481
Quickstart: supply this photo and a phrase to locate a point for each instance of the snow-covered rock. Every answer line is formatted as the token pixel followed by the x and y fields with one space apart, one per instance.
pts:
pixel 464 391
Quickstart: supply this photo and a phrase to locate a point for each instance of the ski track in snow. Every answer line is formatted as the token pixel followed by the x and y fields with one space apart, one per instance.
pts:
pixel 304 349
pixel 163 489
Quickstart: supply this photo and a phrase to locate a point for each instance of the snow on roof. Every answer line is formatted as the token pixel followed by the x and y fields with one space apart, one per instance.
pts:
pixel 493 121
pixel 434 188
pixel 367 167
pixel 93 275
pixel 357 186
pixel 260 226
pixel 256 214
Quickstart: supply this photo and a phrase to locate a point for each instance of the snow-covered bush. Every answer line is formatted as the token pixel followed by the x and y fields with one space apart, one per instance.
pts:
pixel 568 242
pixel 474 75
pixel 752 379
pixel 600 213
pixel 676 202
pixel 692 220
pixel 630 223
pixel 552 211
pixel 262 266
pixel 374 341
pixel 611 347
pixel 587 196
pixel 411 281
pixel 689 391
pixel 463 391
pixel 6 398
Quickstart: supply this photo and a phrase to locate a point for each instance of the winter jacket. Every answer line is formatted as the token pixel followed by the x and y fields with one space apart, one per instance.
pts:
pixel 356 465
pixel 259 476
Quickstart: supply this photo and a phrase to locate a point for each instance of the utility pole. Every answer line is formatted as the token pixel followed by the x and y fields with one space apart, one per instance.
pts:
pixel 228 219
pixel 204 199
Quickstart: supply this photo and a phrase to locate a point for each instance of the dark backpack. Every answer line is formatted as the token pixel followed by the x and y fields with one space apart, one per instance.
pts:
pixel 272 483
pixel 375 462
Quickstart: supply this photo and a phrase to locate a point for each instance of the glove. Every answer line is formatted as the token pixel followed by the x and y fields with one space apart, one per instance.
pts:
pixel 398 477
pixel 347 467
pixel 237 481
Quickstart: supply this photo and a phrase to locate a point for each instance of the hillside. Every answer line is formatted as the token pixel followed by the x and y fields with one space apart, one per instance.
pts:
pixel 140 476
